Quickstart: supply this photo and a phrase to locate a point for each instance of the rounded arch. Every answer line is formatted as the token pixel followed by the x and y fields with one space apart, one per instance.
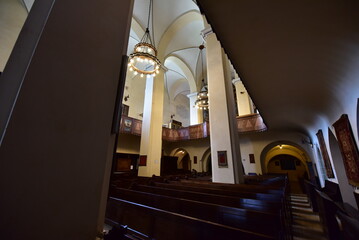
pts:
pixel 184 160
pixel 185 69
pixel 177 25
pixel 288 147
pixel 204 160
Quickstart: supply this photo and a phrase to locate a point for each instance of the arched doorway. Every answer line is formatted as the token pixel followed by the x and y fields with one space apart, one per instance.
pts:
pixel 287 158
pixel 186 163
pixel 207 161
pixel 292 166
pixel 183 159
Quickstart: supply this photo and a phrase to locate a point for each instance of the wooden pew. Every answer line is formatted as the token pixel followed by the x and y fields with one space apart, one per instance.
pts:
pixel 241 194
pixel 310 189
pixel 327 210
pixel 163 225
pixel 231 187
pixel 229 201
pixel 256 221
pixel 349 226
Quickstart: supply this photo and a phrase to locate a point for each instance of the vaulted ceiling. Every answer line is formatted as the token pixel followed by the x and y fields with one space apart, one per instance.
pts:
pixel 175 27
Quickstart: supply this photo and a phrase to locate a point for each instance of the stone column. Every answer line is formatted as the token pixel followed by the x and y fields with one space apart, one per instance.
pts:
pixel 151 137
pixel 222 119
pixel 244 103
pixel 196 115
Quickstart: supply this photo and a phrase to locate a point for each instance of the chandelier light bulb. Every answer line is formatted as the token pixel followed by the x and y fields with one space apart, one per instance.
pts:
pixel 144 59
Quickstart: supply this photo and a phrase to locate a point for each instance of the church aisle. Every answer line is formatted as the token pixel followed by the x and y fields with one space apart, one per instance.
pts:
pixel 306 224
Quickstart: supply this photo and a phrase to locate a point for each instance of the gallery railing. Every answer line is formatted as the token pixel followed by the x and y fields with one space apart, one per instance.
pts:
pixel 250 123
pixel 245 124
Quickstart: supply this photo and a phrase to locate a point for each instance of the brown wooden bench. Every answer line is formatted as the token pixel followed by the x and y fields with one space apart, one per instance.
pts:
pixel 262 222
pixel 231 187
pixel 163 225
pixel 237 202
pixel 242 194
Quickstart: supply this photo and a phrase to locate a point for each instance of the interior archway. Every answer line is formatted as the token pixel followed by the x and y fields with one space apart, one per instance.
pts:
pixel 291 166
pixel 287 158
pixel 288 147
pixel 206 161
pixel 183 159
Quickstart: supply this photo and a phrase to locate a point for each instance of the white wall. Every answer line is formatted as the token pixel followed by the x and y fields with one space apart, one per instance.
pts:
pixel 180 106
pixel 12 17
pixel 348 106
pixel 135 89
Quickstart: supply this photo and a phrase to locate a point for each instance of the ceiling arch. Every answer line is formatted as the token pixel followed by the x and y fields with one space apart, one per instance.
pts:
pixel 179 24
pixel 185 70
pixel 164 13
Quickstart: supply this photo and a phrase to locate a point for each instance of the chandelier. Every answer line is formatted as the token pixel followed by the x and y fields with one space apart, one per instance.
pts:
pixel 144 59
pixel 202 101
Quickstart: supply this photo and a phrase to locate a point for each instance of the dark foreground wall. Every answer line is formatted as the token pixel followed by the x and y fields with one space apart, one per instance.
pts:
pixel 56 153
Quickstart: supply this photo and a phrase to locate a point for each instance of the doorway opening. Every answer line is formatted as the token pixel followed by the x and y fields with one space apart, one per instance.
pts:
pixel 289 159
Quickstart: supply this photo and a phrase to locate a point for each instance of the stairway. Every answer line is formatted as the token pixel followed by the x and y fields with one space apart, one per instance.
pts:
pixel 306 224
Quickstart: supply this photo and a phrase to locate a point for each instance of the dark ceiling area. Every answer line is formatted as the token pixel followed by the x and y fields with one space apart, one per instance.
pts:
pixel 299 59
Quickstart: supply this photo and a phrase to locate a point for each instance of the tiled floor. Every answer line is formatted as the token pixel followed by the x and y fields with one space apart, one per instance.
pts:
pixel 306 223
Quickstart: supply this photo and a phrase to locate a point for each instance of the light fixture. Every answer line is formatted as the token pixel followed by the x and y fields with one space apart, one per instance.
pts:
pixel 202 101
pixel 144 59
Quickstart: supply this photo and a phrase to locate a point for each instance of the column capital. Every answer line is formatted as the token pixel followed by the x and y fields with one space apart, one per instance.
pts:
pixel 236 81
pixel 206 32
pixel 194 94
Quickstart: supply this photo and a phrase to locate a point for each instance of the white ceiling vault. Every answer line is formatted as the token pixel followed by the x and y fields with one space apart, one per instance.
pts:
pixel 175 29
pixel 298 59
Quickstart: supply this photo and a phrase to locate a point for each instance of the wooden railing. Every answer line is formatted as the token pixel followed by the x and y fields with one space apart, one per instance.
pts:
pixel 245 124
pixel 250 123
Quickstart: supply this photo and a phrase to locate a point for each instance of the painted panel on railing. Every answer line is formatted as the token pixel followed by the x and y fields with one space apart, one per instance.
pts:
pixel 245 124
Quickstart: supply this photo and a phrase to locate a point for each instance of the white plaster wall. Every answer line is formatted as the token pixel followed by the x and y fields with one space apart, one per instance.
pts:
pixel 325 123
pixel 135 89
pixel 181 109
pixel 167 108
pixel 12 17
pixel 180 106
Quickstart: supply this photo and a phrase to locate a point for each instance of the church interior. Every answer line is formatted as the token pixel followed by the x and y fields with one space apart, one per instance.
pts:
pixel 191 119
